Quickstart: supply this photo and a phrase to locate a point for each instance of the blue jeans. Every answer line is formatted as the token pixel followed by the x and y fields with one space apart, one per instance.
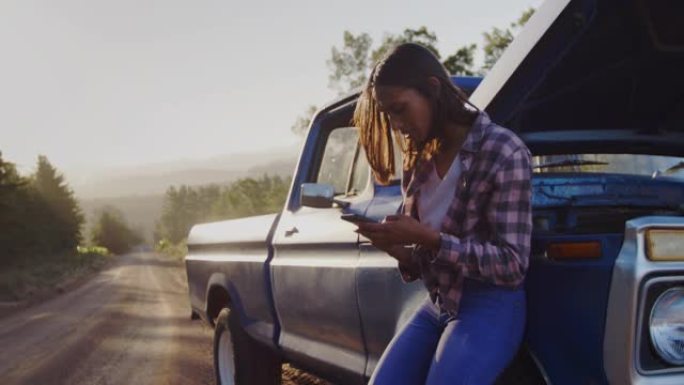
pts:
pixel 473 347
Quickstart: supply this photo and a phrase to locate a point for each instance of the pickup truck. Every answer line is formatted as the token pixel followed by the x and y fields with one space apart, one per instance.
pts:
pixel 594 87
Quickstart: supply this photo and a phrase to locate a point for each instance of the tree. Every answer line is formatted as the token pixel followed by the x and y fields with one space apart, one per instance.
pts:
pixel 9 178
pixel 178 213
pixel 249 196
pixel 61 218
pixel 349 64
pixel 497 40
pixel 185 206
pixel 461 62
pixel 301 125
pixel 112 231
pixel 421 36
pixel 16 232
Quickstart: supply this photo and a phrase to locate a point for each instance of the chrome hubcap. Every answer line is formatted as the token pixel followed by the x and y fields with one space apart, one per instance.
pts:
pixel 226 362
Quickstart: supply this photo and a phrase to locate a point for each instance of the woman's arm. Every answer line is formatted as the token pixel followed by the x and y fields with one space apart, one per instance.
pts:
pixel 408 264
pixel 504 260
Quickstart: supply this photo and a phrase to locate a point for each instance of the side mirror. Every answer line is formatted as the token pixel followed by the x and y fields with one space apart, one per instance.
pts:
pixel 319 195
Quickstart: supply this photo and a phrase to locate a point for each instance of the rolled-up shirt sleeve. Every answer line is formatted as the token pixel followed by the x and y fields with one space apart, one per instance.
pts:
pixel 503 259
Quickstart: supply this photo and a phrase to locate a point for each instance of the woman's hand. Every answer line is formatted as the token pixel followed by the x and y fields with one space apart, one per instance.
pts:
pixel 399 230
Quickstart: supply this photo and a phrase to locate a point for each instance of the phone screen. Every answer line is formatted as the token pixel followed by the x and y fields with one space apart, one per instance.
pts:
pixel 356 218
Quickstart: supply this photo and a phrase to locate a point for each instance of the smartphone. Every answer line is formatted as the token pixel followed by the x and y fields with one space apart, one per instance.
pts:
pixel 355 218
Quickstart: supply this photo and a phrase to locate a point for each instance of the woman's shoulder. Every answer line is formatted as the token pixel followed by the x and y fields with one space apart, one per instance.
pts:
pixel 501 141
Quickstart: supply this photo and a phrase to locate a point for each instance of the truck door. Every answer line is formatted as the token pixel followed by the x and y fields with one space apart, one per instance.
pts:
pixel 385 301
pixel 315 259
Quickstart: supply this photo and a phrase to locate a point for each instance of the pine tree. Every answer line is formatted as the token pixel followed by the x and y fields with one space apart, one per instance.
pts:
pixel 18 212
pixel 61 217
pixel 112 231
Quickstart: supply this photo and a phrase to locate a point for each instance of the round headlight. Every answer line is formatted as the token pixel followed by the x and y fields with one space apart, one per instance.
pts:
pixel 667 325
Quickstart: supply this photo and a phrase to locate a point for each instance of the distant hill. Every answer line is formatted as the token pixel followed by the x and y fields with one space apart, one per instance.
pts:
pixel 144 183
pixel 139 192
pixel 283 167
pixel 156 178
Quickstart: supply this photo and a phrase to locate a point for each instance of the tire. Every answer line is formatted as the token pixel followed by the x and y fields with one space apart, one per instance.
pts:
pixel 238 359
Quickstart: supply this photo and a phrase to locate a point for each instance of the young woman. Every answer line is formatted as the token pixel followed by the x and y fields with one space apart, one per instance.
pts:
pixel 465 226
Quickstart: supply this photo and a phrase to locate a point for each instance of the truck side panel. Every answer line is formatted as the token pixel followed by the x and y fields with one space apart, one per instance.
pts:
pixel 227 263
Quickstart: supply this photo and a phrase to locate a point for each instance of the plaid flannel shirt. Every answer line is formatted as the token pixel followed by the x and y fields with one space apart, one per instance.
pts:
pixel 487 230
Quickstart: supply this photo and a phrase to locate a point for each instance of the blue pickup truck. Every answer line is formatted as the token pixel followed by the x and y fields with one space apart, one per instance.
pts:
pixel 596 90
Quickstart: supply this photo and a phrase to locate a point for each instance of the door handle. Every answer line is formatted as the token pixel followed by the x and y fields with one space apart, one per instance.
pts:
pixel 293 230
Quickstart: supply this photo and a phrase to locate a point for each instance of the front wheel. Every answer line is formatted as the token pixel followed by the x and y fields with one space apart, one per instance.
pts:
pixel 238 359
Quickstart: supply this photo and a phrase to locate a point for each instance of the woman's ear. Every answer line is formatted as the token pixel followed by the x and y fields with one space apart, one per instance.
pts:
pixel 435 86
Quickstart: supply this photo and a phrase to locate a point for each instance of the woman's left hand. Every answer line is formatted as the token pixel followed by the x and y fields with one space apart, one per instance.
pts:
pixel 398 229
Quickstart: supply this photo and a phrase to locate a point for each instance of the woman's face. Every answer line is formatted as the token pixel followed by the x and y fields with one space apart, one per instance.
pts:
pixel 409 111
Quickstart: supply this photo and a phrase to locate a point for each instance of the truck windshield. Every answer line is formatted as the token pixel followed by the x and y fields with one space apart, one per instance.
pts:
pixel 631 164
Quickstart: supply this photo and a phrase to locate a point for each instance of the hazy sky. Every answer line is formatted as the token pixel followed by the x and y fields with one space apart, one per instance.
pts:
pixel 117 83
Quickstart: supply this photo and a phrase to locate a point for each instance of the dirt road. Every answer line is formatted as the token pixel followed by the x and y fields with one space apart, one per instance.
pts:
pixel 128 325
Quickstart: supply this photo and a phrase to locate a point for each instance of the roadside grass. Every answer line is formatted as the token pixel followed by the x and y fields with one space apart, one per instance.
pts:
pixel 41 275
pixel 175 251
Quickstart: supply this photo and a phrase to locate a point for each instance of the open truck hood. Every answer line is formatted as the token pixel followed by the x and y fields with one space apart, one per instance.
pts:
pixel 602 76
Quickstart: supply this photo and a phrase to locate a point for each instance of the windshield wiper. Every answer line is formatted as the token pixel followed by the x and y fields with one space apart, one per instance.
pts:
pixel 670 170
pixel 676 167
pixel 572 162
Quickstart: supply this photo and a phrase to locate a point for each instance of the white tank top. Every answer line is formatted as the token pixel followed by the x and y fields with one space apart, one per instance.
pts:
pixel 437 194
